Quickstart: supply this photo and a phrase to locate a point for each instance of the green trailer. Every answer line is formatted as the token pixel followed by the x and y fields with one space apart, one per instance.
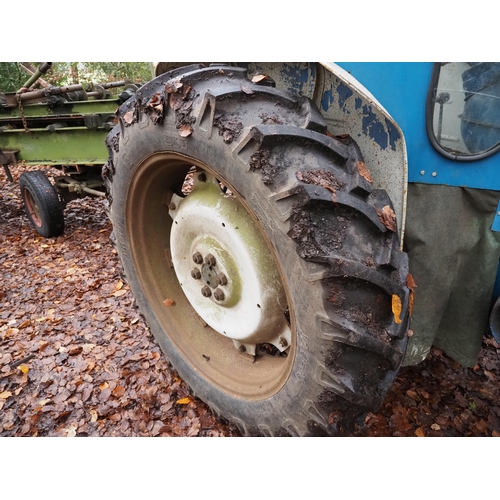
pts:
pixel 61 127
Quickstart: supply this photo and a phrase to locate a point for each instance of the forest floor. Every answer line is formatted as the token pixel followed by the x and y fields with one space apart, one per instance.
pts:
pixel 76 358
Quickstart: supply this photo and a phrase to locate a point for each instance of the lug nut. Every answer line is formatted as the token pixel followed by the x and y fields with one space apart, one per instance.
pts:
pixel 221 279
pixel 171 205
pixel 283 342
pixel 196 274
pixel 206 292
pixel 210 260
pixel 219 294
pixel 197 258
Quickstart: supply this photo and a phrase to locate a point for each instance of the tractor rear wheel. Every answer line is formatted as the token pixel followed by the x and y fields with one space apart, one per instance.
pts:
pixel 254 246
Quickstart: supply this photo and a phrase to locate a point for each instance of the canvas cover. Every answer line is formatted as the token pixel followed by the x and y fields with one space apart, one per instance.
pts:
pixel 453 256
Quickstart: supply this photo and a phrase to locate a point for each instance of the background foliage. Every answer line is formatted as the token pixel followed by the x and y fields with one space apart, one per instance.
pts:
pixel 12 76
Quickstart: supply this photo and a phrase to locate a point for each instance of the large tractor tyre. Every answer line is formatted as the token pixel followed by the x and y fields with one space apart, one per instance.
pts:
pixel 263 261
pixel 42 204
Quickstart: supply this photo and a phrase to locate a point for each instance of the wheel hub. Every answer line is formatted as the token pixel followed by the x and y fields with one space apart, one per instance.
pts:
pixel 225 268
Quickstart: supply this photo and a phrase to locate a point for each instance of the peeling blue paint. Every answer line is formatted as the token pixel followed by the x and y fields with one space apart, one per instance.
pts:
pixel 299 76
pixel 394 134
pixel 357 103
pixel 344 93
pixel 374 128
pixel 327 100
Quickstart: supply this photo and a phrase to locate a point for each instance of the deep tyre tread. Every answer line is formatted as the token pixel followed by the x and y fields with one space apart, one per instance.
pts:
pixel 42 204
pixel 312 194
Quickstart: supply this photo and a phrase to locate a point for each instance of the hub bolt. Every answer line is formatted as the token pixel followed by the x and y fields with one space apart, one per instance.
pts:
pixel 219 294
pixel 206 292
pixel 210 260
pixel 196 274
pixel 197 258
pixel 221 279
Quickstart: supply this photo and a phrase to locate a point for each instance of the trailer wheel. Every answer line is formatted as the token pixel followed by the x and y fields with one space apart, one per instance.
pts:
pixel 42 204
pixel 254 245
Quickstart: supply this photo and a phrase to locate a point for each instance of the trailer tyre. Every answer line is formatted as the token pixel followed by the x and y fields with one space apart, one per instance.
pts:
pixel 254 245
pixel 42 204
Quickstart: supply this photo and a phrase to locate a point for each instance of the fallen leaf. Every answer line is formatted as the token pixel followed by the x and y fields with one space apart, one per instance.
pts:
pixel 411 301
pixel 168 302
pixel 71 431
pixel 184 401
pixel 258 78
pixel 364 172
pixel 119 293
pixel 388 218
pixel 128 117
pixel 25 369
pixel 118 391
pixel 5 394
pixel 103 386
pixel 119 285
pixel 410 282
pixel 246 89
pixel 435 427
pixel 185 130
pixel 419 432
pixel 396 308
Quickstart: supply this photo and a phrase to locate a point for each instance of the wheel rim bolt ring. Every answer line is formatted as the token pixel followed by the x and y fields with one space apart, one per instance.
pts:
pixel 206 292
pixel 196 274
pixel 197 258
pixel 221 279
pixel 210 260
pixel 219 294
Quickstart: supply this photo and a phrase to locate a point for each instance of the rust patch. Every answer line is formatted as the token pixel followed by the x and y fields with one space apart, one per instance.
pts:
pixel 229 126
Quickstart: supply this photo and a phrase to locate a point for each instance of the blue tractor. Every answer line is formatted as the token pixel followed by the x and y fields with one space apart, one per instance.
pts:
pixel 294 233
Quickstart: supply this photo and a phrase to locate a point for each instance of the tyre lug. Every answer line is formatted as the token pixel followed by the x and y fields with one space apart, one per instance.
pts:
pixel 196 274
pixel 210 260
pixel 206 292
pixel 197 258
pixel 221 279
pixel 219 294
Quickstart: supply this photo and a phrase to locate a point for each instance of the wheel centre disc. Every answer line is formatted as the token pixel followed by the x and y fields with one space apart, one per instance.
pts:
pixel 225 268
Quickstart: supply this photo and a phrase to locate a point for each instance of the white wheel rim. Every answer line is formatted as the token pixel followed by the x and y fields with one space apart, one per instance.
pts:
pixel 234 286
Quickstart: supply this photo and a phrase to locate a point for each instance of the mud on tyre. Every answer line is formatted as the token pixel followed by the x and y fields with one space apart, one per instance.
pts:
pixel 254 245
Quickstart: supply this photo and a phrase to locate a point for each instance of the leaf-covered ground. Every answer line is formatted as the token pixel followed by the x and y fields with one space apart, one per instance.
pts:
pixel 76 359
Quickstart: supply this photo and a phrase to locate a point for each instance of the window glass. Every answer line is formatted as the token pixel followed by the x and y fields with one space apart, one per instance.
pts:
pixel 465 108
